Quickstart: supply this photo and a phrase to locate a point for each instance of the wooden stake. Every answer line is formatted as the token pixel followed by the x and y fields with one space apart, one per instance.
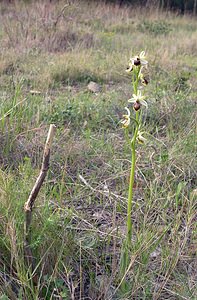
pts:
pixel 28 207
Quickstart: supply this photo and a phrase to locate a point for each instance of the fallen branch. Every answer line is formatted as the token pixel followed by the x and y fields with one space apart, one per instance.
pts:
pixel 60 14
pixel 28 207
pixel 11 109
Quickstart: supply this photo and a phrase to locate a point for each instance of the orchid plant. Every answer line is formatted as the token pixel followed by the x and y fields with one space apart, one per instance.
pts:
pixel 136 68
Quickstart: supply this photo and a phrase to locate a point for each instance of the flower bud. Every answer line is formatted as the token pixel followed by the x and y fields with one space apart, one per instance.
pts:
pixel 144 81
pixel 140 138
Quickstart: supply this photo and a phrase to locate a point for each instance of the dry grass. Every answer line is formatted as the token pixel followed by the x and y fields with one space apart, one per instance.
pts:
pixel 79 220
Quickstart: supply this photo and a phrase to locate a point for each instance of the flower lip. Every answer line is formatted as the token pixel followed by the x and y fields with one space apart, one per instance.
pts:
pixel 138 100
pixel 144 81
pixel 139 59
pixel 137 62
pixel 136 105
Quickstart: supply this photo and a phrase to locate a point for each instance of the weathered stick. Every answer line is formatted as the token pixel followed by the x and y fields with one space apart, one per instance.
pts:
pixel 32 197
pixel 61 13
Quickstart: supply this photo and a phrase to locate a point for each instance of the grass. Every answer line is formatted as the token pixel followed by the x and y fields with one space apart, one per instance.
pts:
pixel 78 223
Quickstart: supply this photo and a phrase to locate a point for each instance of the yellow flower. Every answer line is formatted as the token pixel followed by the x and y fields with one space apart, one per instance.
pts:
pixel 126 121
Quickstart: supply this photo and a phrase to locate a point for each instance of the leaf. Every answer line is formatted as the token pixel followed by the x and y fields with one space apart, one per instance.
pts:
pixel 4 297
pixel 180 187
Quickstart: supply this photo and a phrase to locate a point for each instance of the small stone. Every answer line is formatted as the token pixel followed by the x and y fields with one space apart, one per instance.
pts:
pixel 35 92
pixel 94 87
pixel 156 253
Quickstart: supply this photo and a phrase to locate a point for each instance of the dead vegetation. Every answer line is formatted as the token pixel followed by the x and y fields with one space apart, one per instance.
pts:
pixel 50 52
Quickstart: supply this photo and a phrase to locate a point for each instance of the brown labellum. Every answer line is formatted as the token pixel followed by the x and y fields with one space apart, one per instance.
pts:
pixel 136 106
pixel 144 81
pixel 137 62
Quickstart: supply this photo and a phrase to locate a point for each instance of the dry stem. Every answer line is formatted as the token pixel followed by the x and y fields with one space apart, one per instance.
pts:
pixel 34 192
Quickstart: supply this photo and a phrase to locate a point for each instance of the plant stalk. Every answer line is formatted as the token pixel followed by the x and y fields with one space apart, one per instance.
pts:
pixel 131 183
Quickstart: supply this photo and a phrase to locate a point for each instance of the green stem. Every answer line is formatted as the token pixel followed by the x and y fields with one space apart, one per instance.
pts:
pixel 130 197
pixel 131 183
pixel 133 162
pixel 127 244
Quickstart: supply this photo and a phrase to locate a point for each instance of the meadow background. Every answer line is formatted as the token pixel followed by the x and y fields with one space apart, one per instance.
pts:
pixel 49 53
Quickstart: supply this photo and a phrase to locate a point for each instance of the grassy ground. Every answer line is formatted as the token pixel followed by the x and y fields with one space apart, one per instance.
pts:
pixel 78 223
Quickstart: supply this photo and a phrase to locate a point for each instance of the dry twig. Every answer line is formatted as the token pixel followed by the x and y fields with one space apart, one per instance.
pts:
pixel 32 197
